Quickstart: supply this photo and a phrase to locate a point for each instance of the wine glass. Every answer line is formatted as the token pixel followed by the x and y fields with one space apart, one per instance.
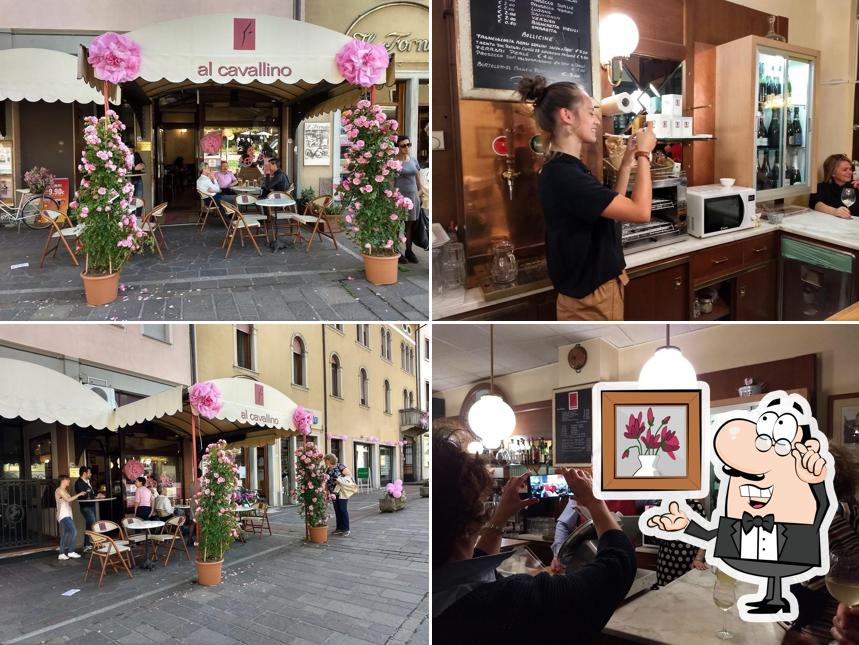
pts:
pixel 848 196
pixel 842 580
pixel 724 595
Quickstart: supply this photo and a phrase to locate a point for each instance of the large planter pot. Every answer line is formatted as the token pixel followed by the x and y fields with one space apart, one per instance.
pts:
pixel 381 269
pixel 319 534
pixel 424 491
pixel 100 289
pixel 209 573
pixel 388 504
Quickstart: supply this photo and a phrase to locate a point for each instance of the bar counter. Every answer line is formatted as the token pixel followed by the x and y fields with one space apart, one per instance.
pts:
pixel 805 223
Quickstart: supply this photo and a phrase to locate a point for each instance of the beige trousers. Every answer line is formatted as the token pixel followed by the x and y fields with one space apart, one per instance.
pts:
pixel 605 303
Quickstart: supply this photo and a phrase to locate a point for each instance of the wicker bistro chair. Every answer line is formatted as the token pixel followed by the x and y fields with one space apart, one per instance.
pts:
pixel 315 215
pixel 238 224
pixel 151 225
pixel 134 538
pixel 106 526
pixel 60 234
pixel 171 533
pixel 207 205
pixel 258 522
pixel 109 552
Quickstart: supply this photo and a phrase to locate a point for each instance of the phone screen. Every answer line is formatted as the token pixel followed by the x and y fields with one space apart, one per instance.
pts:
pixel 548 486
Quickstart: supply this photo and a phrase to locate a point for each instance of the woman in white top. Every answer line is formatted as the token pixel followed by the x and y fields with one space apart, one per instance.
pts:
pixel 68 532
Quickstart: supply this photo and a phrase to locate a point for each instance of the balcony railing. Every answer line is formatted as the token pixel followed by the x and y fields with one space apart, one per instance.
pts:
pixel 410 418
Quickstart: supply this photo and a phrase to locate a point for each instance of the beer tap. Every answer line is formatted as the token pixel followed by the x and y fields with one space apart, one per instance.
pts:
pixel 510 175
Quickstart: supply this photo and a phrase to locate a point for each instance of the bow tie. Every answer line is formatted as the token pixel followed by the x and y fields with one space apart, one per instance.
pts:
pixel 756 521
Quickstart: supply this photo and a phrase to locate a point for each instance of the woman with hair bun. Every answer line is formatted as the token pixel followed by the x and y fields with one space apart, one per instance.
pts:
pixel 583 250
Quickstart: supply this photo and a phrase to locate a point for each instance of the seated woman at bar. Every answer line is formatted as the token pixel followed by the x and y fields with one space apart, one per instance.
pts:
pixel 837 175
pixel 583 250
pixel 471 603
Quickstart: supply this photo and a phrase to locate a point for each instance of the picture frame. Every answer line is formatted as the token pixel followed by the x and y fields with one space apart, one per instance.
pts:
pixel 649 443
pixel 844 420
pixel 317 144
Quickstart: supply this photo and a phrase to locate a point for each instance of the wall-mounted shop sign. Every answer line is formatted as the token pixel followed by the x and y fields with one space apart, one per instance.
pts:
pixel 403 27
pixel 516 38
pixel 259 70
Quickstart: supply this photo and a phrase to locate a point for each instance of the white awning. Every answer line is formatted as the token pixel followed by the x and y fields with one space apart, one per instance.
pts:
pixel 34 392
pixel 246 404
pixel 44 75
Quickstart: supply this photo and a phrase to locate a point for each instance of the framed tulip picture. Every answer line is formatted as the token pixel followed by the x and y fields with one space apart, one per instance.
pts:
pixel 650 442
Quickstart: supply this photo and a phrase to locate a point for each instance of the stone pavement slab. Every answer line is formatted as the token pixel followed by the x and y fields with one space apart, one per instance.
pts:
pixel 196 282
pixel 276 589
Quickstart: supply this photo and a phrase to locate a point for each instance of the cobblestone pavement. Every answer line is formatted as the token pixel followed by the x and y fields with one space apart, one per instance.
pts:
pixel 196 282
pixel 276 589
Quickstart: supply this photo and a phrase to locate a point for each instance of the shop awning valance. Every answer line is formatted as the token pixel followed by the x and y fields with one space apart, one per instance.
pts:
pixel 37 393
pixel 247 404
pixel 29 74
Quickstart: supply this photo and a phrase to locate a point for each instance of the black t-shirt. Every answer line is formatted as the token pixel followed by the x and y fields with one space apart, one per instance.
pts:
pixel 829 193
pixel 583 248
pixel 84 487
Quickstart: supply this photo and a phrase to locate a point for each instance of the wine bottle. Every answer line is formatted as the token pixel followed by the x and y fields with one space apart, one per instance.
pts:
pixel 797 128
pixel 762 84
pixel 774 132
pixel 762 128
pixel 766 170
pixel 775 172
pixel 762 172
pixel 789 133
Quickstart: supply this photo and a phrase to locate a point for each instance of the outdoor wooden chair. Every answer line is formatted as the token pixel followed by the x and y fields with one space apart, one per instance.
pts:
pixel 314 214
pixel 258 522
pixel 137 203
pixel 171 533
pixel 60 234
pixel 207 205
pixel 109 552
pixel 239 225
pixel 262 218
pixel 286 214
pixel 151 225
pixel 106 526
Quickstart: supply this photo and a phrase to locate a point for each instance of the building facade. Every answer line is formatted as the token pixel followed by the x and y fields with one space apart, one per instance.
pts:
pixel 361 382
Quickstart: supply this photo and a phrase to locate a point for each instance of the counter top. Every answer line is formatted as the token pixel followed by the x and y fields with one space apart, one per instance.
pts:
pixel 807 223
pixel 683 612
pixel 850 313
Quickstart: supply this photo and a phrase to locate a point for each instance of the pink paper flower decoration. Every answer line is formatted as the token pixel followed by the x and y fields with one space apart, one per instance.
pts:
pixel 206 399
pixel 362 63
pixel 302 420
pixel 132 469
pixel 114 57
pixel 211 142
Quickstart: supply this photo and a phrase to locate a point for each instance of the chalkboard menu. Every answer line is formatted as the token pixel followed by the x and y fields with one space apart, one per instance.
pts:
pixel 505 40
pixel 572 426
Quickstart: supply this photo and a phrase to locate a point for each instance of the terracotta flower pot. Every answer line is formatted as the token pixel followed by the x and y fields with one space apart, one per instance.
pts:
pixel 209 573
pixel 319 534
pixel 100 289
pixel 381 269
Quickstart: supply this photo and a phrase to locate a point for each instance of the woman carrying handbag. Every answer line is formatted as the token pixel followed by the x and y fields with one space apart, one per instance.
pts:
pixel 341 485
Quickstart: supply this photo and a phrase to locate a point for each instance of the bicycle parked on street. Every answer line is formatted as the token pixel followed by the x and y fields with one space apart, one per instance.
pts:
pixel 28 211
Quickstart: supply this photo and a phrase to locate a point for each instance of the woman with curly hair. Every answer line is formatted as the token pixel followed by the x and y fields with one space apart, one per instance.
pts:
pixel 471 603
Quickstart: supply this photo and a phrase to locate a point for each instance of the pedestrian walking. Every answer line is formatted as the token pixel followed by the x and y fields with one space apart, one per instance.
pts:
pixel 68 532
pixel 341 512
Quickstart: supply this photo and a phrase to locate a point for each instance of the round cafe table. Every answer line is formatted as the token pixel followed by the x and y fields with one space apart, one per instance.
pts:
pixel 271 204
pixel 146 525
pixel 96 507
pixel 247 189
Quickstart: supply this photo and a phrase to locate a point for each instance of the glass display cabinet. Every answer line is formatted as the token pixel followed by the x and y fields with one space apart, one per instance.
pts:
pixel 765 92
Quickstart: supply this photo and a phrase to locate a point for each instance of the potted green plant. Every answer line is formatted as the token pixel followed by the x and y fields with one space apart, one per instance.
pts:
pixel 216 511
pixel 104 207
pixel 334 211
pixel 307 195
pixel 394 498
pixel 374 210
pixel 312 491
pixel 425 488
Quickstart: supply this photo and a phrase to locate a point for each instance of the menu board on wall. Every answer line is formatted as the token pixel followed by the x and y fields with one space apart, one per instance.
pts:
pixel 572 434
pixel 500 41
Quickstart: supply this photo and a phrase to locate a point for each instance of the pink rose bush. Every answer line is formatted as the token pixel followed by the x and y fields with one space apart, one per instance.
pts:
pixel 312 489
pixel 216 511
pixel 114 57
pixel 104 202
pixel 205 399
pixel 374 211
pixel 362 63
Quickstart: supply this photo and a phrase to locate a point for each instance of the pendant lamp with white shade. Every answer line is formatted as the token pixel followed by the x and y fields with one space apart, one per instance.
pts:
pixel 668 367
pixel 490 418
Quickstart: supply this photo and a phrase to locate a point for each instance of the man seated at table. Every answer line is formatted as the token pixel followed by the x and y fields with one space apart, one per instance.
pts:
pixel 163 506
pixel 207 185
pixel 276 181
pixel 226 179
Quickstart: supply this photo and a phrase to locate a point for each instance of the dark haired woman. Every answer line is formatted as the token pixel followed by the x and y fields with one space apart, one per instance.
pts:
pixel 837 175
pixel 142 499
pixel 472 604
pixel 583 250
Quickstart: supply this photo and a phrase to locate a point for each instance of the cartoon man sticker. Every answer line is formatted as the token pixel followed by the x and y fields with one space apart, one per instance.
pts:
pixel 775 504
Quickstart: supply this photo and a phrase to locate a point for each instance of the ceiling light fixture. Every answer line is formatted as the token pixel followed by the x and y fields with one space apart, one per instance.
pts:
pixel 668 367
pixel 490 418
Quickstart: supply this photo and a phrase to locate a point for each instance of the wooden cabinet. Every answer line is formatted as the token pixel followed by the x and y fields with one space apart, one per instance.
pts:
pixel 760 248
pixel 757 293
pixel 655 293
pixel 717 261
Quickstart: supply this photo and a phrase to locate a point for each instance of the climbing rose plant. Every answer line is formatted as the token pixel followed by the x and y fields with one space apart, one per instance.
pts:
pixel 216 511
pixel 374 211
pixel 312 491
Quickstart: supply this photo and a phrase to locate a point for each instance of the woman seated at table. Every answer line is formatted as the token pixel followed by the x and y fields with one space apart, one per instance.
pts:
pixel 142 499
pixel 837 175
pixel 472 604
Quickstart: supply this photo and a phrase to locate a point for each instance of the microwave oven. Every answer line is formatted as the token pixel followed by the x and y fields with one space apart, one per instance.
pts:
pixel 715 209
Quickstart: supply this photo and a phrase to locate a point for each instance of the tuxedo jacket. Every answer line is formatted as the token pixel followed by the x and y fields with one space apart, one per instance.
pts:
pixel 797 543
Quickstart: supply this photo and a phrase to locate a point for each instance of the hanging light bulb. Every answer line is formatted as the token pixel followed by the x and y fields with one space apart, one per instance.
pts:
pixel 490 418
pixel 475 448
pixel 668 367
